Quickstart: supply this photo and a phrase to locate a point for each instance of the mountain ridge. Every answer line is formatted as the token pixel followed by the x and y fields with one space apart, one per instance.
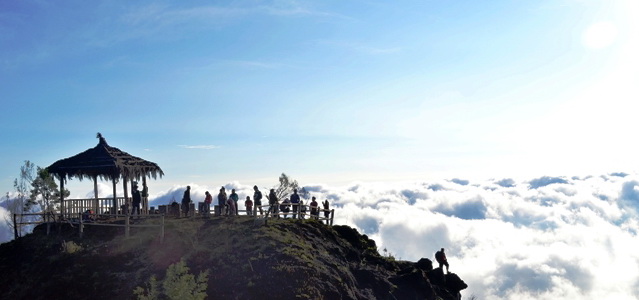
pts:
pixel 284 259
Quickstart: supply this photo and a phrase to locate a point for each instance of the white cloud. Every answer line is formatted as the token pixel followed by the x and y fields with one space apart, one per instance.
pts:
pixel 204 147
pixel 543 238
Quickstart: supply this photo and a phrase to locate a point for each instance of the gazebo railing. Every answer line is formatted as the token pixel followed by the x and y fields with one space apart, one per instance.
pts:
pixel 73 207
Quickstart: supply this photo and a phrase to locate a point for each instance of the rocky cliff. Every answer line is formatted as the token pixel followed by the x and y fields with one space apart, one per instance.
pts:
pixel 285 259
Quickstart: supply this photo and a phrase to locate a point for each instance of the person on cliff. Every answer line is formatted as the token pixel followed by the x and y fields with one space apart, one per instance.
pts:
pixel 221 201
pixel 327 212
pixel 235 199
pixel 137 199
pixel 295 201
pixel 249 206
pixel 207 204
pixel 272 202
pixel 440 256
pixel 285 207
pixel 186 201
pixel 302 209
pixel 257 197
pixel 314 209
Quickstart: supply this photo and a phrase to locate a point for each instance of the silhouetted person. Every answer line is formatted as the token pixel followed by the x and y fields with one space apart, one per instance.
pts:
pixel 314 208
pixel 326 211
pixel 221 201
pixel 440 256
pixel 137 199
pixel 295 200
pixel 207 203
pixel 186 201
pixel 230 203
pixel 235 199
pixel 285 207
pixel 302 209
pixel 272 202
pixel 249 206
pixel 257 197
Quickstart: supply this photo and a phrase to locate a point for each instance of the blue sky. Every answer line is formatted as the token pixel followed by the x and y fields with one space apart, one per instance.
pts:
pixel 326 91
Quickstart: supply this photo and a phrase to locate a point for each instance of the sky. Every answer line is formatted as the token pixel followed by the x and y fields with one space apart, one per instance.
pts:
pixel 334 94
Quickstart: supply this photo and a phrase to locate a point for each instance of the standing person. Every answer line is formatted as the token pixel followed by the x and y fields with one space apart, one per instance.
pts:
pixel 295 200
pixel 249 206
pixel 207 204
pixel 137 199
pixel 440 256
pixel 186 201
pixel 235 199
pixel 231 208
pixel 326 211
pixel 285 207
pixel 257 197
pixel 272 202
pixel 314 208
pixel 221 201
pixel 302 209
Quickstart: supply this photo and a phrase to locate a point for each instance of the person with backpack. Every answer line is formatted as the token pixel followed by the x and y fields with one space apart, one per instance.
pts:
pixel 257 197
pixel 440 257
pixel 295 201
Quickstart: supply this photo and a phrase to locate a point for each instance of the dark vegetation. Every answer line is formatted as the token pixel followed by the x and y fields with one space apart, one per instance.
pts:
pixel 287 259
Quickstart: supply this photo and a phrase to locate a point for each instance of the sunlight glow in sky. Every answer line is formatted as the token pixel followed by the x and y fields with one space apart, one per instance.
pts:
pixel 326 91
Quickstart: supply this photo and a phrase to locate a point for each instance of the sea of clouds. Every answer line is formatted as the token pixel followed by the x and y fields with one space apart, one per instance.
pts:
pixel 543 238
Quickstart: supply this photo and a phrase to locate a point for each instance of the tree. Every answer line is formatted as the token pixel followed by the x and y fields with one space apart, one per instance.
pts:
pixel 16 205
pixel 33 187
pixel 178 283
pixel 44 192
pixel 286 187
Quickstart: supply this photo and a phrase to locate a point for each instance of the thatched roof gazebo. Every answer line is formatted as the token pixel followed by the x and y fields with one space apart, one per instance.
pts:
pixel 107 163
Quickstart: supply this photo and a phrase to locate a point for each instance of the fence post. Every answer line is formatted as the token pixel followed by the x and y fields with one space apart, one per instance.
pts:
pixel 332 215
pixel 47 217
pixel 162 231
pixel 15 226
pixel 126 226
pixel 81 226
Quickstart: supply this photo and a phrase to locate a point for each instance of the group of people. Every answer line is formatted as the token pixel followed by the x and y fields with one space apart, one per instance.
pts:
pixel 228 204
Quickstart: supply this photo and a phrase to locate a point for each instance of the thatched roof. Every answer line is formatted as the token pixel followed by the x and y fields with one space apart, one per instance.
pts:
pixel 105 162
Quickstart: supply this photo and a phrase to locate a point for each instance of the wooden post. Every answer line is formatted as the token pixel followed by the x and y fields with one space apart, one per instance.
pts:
pixel 145 198
pixel 15 227
pixel 114 209
pixel 95 192
pixel 332 215
pixel 126 196
pixel 162 231
pixel 81 226
pixel 127 229
pixel 62 197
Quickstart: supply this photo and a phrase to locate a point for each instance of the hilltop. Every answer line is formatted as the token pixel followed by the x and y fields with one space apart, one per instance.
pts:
pixel 286 259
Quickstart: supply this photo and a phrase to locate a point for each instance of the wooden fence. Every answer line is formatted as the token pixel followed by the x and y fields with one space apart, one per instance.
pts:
pixel 86 219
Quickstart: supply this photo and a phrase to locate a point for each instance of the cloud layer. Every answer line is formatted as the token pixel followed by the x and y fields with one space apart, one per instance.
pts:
pixel 542 238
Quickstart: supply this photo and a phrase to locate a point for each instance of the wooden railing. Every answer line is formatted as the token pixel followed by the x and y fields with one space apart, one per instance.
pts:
pixel 85 219
pixel 72 207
